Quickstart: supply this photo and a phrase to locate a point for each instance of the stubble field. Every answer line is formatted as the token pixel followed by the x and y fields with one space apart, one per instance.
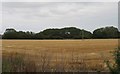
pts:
pixel 85 55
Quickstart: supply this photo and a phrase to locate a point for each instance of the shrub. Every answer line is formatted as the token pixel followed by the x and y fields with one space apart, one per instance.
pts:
pixel 115 68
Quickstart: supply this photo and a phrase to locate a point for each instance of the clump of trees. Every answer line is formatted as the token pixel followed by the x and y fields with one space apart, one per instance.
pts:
pixel 0 36
pixel 63 33
pixel 107 32
pixel 13 34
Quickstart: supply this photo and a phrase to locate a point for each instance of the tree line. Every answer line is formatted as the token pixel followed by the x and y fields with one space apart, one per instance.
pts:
pixel 64 33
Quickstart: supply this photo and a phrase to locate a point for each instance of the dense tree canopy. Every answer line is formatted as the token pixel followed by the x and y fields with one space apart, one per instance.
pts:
pixel 13 34
pixel 107 32
pixel 0 36
pixel 63 33
pixel 10 34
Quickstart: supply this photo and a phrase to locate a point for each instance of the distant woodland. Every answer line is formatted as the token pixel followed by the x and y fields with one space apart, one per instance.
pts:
pixel 63 33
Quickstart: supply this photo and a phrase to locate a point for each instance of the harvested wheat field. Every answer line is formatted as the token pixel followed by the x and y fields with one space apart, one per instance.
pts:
pixel 64 55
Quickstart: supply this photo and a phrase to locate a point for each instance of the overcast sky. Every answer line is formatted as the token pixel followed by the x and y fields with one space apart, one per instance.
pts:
pixel 37 16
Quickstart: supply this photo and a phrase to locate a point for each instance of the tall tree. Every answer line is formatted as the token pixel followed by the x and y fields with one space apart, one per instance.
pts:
pixel 10 34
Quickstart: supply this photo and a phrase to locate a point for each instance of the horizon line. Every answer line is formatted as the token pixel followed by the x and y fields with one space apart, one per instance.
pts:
pixel 58 28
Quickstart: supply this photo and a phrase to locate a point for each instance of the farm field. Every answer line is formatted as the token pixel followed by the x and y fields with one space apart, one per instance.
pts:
pixel 90 52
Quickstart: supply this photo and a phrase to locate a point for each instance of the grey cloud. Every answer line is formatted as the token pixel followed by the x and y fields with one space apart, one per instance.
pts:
pixel 39 15
pixel 44 8
pixel 60 0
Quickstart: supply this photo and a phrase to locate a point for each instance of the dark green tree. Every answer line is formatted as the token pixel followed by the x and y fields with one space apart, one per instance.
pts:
pixel 63 33
pixel 107 32
pixel 10 34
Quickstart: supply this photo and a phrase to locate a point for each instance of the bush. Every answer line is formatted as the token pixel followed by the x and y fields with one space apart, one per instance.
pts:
pixel 115 68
